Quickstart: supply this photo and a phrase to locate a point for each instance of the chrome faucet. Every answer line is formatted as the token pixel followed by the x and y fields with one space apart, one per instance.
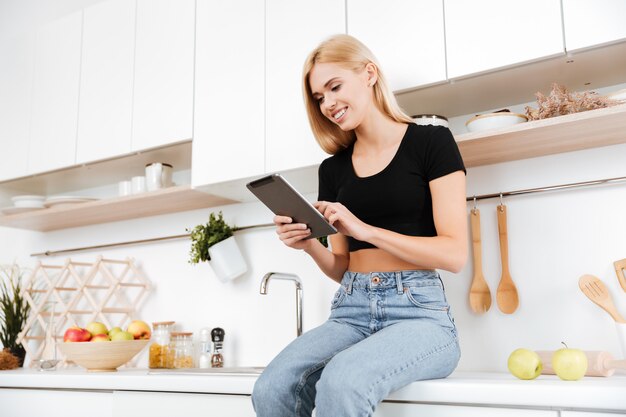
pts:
pixel 298 282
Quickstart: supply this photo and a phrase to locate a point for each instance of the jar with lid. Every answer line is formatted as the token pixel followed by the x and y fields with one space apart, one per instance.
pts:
pixel 160 343
pixel 180 353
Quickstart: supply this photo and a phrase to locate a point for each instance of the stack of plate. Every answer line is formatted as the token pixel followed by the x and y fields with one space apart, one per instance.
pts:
pixel 25 203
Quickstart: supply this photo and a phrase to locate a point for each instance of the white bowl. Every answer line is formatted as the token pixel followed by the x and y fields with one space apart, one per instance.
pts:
pixel 29 201
pixel 494 121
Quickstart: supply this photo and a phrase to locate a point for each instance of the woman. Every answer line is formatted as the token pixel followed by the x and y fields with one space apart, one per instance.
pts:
pixel 395 192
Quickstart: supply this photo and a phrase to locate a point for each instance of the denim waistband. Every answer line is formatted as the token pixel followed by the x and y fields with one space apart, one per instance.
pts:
pixel 394 279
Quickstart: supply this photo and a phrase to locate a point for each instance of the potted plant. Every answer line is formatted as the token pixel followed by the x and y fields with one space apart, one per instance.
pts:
pixel 213 242
pixel 14 310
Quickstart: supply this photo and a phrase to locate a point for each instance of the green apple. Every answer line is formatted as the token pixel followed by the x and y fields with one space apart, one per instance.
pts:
pixel 97 328
pixel 114 330
pixel 525 364
pixel 122 335
pixel 569 364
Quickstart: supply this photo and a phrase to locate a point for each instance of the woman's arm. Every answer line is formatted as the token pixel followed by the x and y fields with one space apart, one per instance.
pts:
pixel 447 250
pixel 333 264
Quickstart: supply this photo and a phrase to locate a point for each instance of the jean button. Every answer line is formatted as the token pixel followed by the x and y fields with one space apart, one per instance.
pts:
pixel 375 280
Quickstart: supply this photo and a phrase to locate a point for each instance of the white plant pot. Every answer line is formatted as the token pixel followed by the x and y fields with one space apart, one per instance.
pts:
pixel 226 260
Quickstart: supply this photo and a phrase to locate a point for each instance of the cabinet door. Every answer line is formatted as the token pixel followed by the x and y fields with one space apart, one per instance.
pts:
pixel 56 81
pixel 588 24
pixel 409 410
pixel 293 29
pixel 482 35
pixel 161 404
pixel 53 403
pixel 229 121
pixel 106 81
pixel 406 36
pixel 16 77
pixel 163 88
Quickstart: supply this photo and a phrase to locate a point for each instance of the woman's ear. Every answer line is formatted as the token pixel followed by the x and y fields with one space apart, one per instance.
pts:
pixel 372 74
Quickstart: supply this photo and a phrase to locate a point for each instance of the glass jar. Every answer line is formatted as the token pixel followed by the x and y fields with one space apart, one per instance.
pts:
pixel 160 343
pixel 180 354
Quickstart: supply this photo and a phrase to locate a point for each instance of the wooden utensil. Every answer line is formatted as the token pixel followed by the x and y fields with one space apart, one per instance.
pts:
pixel 506 296
pixel 479 296
pixel 598 363
pixel 596 291
pixel 619 270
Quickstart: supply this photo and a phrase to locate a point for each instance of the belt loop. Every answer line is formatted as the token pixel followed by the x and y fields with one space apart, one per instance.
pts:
pixel 352 277
pixel 399 285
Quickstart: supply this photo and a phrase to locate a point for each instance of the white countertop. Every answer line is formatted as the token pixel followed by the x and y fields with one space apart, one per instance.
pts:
pixel 475 388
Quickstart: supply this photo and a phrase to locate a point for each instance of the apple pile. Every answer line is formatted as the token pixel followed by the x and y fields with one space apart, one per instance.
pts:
pixel 98 332
pixel 568 364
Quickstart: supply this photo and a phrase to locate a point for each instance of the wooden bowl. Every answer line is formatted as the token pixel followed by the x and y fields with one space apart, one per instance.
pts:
pixel 102 356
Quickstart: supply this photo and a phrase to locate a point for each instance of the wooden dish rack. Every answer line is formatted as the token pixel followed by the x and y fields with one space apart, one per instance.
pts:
pixel 107 290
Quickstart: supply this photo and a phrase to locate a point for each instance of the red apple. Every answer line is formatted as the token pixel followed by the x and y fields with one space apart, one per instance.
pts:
pixel 76 334
pixel 101 338
pixel 139 329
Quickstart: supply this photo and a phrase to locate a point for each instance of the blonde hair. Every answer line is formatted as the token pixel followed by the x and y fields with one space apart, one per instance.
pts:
pixel 351 54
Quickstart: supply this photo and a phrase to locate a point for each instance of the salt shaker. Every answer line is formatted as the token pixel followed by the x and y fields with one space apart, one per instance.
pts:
pixel 204 358
pixel 217 335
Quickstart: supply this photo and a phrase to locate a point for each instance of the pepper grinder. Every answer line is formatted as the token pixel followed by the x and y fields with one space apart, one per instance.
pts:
pixel 217 335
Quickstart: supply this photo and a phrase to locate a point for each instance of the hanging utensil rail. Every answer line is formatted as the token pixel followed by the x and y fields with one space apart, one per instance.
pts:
pixel 237 229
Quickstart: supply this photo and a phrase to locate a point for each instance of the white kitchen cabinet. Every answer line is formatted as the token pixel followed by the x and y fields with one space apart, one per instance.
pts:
pixel 16 77
pixel 161 404
pixel 586 414
pixel 51 403
pixel 483 35
pixel 229 121
pixel 106 81
pixel 589 24
pixel 293 29
pixel 388 409
pixel 406 36
pixel 163 80
pixel 56 81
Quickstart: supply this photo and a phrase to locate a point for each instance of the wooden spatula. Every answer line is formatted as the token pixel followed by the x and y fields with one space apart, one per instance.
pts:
pixel 620 266
pixel 479 296
pixel 596 291
pixel 506 296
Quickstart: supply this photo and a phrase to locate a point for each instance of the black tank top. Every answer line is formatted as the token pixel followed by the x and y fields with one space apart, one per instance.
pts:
pixel 398 197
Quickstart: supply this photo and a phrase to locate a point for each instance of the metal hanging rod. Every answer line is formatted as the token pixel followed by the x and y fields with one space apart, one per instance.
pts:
pixel 237 229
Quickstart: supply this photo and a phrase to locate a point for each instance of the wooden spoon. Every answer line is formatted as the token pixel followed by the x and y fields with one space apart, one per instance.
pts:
pixel 506 296
pixel 620 266
pixel 596 291
pixel 479 296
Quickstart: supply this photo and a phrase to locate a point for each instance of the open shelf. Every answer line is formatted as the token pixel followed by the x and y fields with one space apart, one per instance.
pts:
pixel 572 132
pixel 167 200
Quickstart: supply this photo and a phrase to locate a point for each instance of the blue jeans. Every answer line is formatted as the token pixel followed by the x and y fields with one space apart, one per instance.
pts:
pixel 385 331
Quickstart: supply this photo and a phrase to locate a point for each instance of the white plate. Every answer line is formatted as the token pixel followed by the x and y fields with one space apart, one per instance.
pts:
pixel 16 210
pixel 28 201
pixel 67 199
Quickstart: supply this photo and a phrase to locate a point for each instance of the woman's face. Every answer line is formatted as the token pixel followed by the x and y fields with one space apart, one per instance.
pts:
pixel 344 96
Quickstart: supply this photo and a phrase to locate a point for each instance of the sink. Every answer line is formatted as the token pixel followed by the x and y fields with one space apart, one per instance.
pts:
pixel 230 370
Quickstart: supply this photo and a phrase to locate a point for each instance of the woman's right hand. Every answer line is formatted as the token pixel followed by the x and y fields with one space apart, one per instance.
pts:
pixel 292 234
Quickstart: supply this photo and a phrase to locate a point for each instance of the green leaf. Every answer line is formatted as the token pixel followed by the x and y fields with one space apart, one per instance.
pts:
pixel 203 236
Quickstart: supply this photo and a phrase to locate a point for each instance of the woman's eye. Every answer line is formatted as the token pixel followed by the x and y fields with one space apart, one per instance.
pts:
pixel 320 100
pixel 336 87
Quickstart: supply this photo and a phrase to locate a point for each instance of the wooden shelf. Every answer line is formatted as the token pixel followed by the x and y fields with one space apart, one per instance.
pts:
pixel 168 200
pixel 585 130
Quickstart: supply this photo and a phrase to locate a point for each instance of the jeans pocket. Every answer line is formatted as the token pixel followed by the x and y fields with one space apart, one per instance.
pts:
pixel 430 297
pixel 340 295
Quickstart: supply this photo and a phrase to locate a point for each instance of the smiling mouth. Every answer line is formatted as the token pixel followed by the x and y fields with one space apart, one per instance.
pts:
pixel 337 116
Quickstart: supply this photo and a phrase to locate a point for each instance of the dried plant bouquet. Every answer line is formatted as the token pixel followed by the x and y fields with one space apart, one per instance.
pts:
pixel 560 102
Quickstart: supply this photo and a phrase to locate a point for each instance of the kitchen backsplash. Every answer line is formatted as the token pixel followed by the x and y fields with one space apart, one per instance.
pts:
pixel 553 239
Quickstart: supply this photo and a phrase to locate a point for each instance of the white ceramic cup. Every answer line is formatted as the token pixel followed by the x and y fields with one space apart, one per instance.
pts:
pixel 138 184
pixel 125 188
pixel 158 175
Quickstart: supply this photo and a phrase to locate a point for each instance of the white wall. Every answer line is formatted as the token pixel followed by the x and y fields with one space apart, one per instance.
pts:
pixel 554 238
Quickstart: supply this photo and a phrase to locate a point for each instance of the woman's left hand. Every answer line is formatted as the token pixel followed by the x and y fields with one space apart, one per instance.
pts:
pixel 344 221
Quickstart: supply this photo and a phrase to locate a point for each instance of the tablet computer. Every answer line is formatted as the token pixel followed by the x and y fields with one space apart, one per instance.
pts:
pixel 280 197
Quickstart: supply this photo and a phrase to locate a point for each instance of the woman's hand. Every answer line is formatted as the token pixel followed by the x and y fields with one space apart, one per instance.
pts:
pixel 293 234
pixel 344 221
